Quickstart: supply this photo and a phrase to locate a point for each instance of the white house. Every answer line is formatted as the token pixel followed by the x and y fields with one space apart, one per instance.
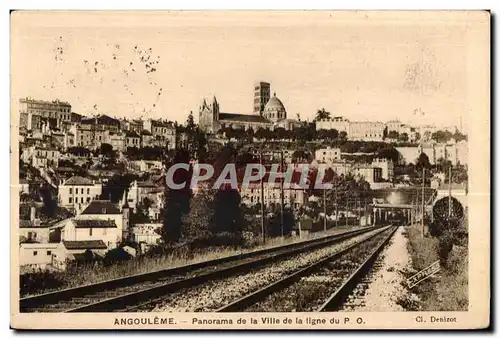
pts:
pixel 148 233
pixel 76 192
pixel 41 157
pixel 92 229
pixel 139 190
pixel 387 167
pixel 37 256
pixel 33 231
pixel 145 165
pixel 293 196
pixel 327 155
pixel 100 220
pixel 68 251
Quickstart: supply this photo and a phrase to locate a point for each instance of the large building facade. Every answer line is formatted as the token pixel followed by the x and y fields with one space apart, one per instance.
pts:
pixel 356 130
pixel 268 113
pixel 34 114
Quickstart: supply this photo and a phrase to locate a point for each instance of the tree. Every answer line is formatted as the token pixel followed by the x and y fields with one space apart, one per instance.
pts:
pixel 385 133
pixel 458 136
pixel 280 133
pixel 442 136
pixel 197 224
pixel 177 200
pixel 423 161
pixel 403 137
pixel 393 135
pixel 116 185
pixel 79 151
pixel 443 165
pixel 343 136
pixel 446 225
pixel 262 133
pixel 322 114
pixel 190 125
pixel 274 221
pixel 49 202
pixel 390 153
pixel 106 150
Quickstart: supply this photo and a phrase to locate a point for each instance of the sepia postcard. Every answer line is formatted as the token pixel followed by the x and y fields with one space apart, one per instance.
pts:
pixel 229 170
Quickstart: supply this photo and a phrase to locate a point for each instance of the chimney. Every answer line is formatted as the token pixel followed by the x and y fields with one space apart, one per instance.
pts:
pixel 32 213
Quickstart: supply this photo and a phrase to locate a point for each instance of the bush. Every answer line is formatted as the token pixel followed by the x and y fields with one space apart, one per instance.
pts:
pixel 33 282
pixel 116 255
pixel 226 239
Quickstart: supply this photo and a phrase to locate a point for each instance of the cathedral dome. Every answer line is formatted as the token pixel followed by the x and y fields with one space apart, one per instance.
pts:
pixel 274 104
pixel 274 109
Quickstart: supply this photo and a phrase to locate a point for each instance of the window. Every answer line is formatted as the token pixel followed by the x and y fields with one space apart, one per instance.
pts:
pixel 88 199
pixel 35 253
pixel 90 232
pixel 70 191
pixel 88 190
pixel 81 200
pixel 49 252
pixel 81 190
pixel 70 200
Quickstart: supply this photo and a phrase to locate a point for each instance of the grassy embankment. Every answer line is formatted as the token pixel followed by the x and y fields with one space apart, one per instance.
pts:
pixel 32 283
pixel 447 292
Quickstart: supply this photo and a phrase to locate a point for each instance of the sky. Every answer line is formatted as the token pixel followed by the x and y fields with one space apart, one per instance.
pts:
pixel 363 66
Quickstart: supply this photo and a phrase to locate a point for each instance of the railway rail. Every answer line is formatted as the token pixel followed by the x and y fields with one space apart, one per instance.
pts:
pixel 118 294
pixel 334 278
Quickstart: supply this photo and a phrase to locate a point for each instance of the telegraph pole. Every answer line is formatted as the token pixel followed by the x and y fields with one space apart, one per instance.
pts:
pixel 262 225
pixel 336 209
pixel 282 194
pixel 449 192
pixel 324 209
pixel 347 212
pixel 412 210
pixel 423 193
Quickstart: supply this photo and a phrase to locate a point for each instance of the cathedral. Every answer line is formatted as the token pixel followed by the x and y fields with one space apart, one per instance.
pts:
pixel 268 113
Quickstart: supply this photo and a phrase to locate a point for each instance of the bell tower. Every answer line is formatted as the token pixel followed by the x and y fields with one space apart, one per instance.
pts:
pixel 215 109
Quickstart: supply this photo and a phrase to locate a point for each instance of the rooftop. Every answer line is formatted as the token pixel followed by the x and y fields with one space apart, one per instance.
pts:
pixel 101 207
pixel 94 223
pixel 131 134
pixel 160 123
pixel 23 223
pixel 78 181
pixel 85 245
pixel 243 117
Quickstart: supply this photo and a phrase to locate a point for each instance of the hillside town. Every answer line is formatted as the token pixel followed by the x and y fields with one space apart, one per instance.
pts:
pixel 92 187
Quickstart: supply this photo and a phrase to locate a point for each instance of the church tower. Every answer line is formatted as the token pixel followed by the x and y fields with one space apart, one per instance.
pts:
pixel 215 109
pixel 209 115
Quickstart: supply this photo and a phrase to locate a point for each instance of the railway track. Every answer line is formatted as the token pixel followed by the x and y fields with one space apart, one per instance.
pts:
pixel 119 294
pixel 319 287
pixel 215 294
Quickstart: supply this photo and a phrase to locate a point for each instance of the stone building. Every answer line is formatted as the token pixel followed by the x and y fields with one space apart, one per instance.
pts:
pixel 268 113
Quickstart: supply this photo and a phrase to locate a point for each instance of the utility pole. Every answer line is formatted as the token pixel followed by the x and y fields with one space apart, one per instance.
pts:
pixel 347 212
pixel 336 209
pixel 449 192
pixel 423 193
pixel 262 225
pixel 416 207
pixel 412 216
pixel 282 194
pixel 324 209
